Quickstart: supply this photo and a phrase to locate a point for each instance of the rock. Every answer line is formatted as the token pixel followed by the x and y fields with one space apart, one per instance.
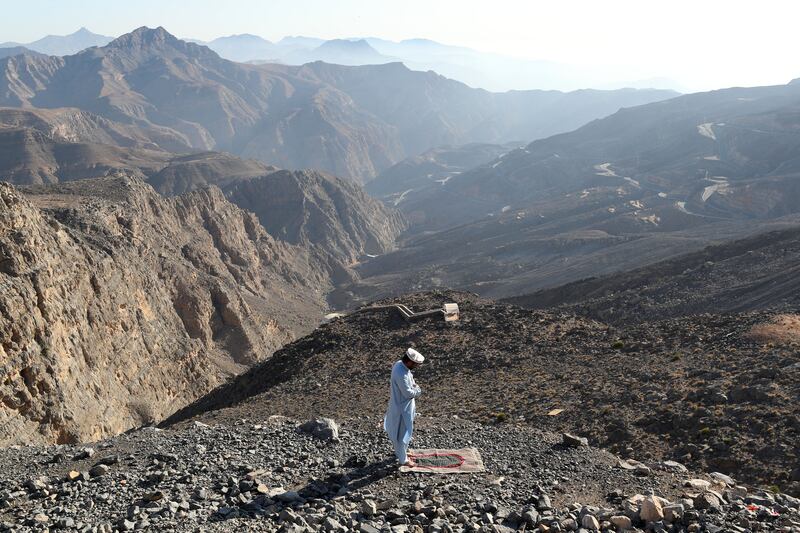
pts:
pixel 330 524
pixel 674 466
pixel 41 518
pixel 84 453
pixel 706 500
pixel 590 522
pixel 697 484
pixel 530 517
pixel 651 510
pixel 673 513
pixel 543 503
pixel 722 478
pixel 98 471
pixel 322 428
pixel 622 522
pixel 569 524
pixel 65 523
pixel 369 508
pixel 572 441
pixel 73 475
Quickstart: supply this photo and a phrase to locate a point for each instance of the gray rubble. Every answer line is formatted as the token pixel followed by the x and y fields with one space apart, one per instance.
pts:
pixel 268 476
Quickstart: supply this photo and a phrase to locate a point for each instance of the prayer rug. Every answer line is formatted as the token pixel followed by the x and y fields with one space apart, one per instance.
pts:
pixel 436 461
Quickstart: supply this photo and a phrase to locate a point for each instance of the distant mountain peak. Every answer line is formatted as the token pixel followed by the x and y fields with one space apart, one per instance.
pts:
pixel 144 35
pixel 359 45
pixel 158 39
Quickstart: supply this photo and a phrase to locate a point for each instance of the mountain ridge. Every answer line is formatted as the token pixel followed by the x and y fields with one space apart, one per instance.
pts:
pixel 291 117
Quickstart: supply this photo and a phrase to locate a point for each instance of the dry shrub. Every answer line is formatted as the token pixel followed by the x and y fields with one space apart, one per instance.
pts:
pixel 781 329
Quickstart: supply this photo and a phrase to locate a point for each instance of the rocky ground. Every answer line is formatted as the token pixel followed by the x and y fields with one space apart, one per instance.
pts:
pixel 266 475
pixel 759 272
pixel 700 390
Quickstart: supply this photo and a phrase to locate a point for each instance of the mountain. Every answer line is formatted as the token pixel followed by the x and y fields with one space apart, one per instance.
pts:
pixel 320 211
pixel 120 305
pixel 63 45
pixel 553 371
pixel 243 47
pixel 349 121
pixel 429 110
pixel 339 52
pixel 722 155
pixel 643 185
pixel 757 273
pixel 332 219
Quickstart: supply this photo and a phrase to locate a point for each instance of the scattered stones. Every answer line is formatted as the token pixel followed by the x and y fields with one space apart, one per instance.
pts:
pixel 271 478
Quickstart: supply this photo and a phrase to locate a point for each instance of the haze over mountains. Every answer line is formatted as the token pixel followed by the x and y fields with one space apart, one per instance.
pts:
pixel 351 121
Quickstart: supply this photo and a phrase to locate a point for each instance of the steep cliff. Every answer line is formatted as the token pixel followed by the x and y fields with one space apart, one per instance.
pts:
pixel 118 306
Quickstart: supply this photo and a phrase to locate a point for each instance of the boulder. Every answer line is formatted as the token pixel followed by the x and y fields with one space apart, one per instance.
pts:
pixel 322 428
pixel 651 510
pixel 622 522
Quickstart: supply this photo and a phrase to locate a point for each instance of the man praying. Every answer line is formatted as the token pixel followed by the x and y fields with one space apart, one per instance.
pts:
pixel 399 420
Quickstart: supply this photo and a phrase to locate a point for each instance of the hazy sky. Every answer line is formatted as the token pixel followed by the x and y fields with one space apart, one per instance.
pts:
pixel 701 43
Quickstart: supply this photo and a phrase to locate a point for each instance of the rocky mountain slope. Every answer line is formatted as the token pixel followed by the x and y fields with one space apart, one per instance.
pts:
pixel 703 391
pixel 760 272
pixel 643 185
pixel 431 169
pixel 266 475
pixel 318 210
pixel 119 305
pixel 724 154
pixel 333 218
pixel 350 121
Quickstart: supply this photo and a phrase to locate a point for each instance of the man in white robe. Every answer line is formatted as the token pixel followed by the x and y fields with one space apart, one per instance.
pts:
pixel 399 420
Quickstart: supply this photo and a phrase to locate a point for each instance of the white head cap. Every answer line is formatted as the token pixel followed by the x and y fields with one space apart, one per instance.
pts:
pixel 414 355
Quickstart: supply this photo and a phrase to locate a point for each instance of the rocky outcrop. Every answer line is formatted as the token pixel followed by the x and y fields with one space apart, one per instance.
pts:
pixel 321 211
pixel 119 306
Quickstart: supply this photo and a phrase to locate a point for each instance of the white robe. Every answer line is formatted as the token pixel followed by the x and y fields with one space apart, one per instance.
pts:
pixel 399 420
